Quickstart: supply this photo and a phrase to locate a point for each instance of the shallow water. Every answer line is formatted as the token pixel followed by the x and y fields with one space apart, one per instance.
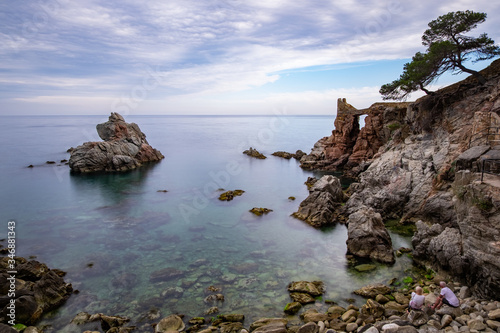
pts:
pixel 110 232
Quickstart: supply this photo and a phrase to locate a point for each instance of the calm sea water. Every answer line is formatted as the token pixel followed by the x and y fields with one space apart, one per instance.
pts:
pixel 111 232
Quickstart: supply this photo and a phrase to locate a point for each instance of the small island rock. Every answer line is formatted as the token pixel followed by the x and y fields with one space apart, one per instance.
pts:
pixel 124 148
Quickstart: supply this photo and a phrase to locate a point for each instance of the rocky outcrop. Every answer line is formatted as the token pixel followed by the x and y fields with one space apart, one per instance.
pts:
pixel 367 236
pixel 349 146
pixel 38 290
pixel 414 177
pixel 472 248
pixel 124 148
pixel 322 205
pixel 254 153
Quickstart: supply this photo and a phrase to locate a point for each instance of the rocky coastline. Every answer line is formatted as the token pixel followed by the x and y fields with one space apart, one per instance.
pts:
pixel 415 162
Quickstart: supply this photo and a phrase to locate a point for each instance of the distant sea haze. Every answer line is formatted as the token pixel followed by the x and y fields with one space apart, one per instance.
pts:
pixel 112 233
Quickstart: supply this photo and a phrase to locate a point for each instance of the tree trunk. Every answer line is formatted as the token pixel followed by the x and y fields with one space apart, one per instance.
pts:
pixel 476 74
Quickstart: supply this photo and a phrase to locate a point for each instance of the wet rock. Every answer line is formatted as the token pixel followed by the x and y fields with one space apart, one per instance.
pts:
pixel 230 327
pixel 336 311
pixel 310 327
pixel 232 318
pixel 312 315
pixel 314 288
pixel 368 237
pixel 321 206
pixel 212 310
pixel 292 308
pixel 302 298
pixel 124 148
pixel 229 195
pixel 169 324
pixel 254 153
pixel 166 274
pixel 260 211
pixel 283 154
pixel 381 299
pixel 372 290
pixel 267 321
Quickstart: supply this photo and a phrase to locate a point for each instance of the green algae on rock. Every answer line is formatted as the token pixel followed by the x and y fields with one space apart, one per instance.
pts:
pixel 229 195
pixel 260 211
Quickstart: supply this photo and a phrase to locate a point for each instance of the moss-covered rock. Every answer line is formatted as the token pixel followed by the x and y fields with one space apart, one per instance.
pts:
pixel 260 211
pixel 229 195
pixel 292 308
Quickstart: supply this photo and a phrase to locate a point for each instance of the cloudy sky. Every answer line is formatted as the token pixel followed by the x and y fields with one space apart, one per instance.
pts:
pixel 210 56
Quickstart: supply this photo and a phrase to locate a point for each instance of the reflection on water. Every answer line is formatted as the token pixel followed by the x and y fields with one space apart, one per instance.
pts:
pixel 129 249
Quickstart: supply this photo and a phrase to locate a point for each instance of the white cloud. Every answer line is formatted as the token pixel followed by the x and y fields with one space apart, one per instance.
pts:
pixel 96 47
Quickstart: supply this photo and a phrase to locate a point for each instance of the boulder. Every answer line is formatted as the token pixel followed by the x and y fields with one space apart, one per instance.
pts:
pixel 124 148
pixel 372 290
pixel 169 324
pixel 373 308
pixel 230 327
pixel 416 317
pixel 232 318
pixel 314 288
pixel 267 321
pixel 42 291
pixel 321 207
pixel 368 237
pixel 494 314
pixel 292 308
pixel 308 328
pixel 466 160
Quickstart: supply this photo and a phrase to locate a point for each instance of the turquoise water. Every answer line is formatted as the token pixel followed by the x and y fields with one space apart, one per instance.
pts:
pixel 110 232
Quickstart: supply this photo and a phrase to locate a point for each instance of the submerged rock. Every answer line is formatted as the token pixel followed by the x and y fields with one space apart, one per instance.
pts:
pixel 254 153
pixel 124 148
pixel 171 323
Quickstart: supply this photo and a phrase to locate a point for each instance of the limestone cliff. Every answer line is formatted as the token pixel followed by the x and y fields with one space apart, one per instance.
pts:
pixel 412 169
pixel 124 148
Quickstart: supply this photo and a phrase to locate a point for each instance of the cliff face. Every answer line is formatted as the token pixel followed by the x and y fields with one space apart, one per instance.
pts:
pixel 411 176
pixel 349 146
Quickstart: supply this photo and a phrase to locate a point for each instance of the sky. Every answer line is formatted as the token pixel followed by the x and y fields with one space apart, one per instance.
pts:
pixel 186 57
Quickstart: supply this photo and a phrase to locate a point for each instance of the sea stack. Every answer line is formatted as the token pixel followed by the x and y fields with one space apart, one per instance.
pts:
pixel 124 148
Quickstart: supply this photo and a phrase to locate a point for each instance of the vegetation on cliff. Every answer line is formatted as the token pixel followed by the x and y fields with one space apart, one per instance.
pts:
pixel 447 49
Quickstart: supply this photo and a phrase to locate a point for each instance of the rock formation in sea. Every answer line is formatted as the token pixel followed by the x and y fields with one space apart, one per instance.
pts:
pixel 322 206
pixel 124 148
pixel 38 290
pixel 419 161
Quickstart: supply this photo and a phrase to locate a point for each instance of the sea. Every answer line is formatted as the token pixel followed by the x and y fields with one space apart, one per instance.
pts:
pixel 111 232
